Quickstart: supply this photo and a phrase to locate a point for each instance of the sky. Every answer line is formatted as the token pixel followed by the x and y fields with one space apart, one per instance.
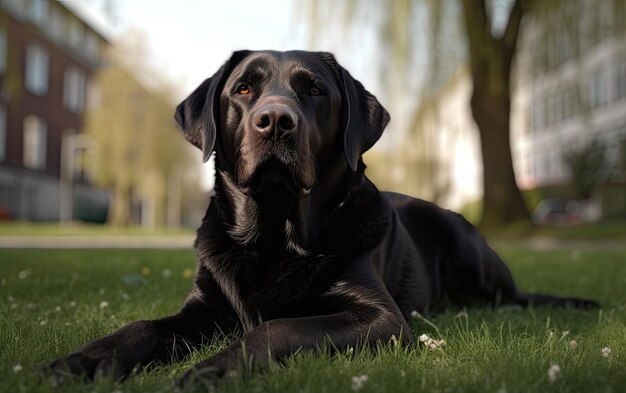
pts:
pixel 188 40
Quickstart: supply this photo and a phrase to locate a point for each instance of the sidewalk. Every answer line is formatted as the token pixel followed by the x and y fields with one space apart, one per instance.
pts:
pixel 60 242
pixel 186 242
pixel 550 244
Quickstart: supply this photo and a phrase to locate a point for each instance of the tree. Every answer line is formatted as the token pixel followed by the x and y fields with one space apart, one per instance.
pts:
pixel 586 165
pixel 491 59
pixel 137 143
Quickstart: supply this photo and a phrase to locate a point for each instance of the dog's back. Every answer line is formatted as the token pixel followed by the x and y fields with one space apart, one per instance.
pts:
pixel 448 251
pixel 460 265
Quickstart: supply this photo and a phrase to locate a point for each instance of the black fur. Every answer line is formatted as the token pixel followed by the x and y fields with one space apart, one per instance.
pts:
pixel 297 246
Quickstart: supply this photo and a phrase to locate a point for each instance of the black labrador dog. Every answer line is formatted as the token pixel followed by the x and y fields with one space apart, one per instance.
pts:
pixel 298 247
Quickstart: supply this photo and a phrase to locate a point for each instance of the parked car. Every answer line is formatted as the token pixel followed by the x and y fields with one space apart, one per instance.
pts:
pixel 563 212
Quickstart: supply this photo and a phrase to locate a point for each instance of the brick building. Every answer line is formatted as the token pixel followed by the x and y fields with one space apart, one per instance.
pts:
pixel 47 56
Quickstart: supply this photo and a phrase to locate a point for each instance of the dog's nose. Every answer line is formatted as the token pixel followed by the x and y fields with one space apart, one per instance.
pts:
pixel 275 120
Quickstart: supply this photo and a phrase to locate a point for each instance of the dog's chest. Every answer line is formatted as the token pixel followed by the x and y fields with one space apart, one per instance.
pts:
pixel 264 288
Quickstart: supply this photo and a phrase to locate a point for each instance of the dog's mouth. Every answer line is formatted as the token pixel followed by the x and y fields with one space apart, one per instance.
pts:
pixel 273 175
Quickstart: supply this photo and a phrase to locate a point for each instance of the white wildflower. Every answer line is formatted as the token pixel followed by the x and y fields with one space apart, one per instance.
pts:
pixel 57 309
pixel 576 255
pixel 166 273
pixel 606 352
pixel 414 314
pixel 23 274
pixel 573 344
pixel 350 350
pixel 358 381
pixel 554 373
pixel 104 304
pixel 394 340
pixel 462 314
pixel 430 342
pixel 17 368
pixel 72 304
pixel 43 322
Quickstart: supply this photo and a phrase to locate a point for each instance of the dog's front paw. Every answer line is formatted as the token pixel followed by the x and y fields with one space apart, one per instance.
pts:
pixel 79 366
pixel 200 375
pixel 75 366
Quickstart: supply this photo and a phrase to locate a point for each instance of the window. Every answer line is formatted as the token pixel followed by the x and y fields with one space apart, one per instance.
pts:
pixel 598 89
pixel 550 112
pixel 15 7
pixel 538 114
pixel 3 51
pixel 37 11
pixel 620 81
pixel 570 101
pixel 37 70
pixel 35 141
pixel 3 133
pixel 74 90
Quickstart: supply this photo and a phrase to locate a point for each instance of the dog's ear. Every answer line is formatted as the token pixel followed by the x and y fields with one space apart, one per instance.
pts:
pixel 364 118
pixel 198 114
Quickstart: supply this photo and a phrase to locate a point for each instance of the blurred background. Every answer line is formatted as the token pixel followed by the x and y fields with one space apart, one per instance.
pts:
pixel 512 112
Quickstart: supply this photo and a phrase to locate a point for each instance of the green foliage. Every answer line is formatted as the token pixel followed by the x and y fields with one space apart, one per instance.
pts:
pixel 585 165
pixel 486 350
pixel 138 145
pixel 472 211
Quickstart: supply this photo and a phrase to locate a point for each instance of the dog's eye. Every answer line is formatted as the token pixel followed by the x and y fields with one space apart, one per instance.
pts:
pixel 243 88
pixel 314 91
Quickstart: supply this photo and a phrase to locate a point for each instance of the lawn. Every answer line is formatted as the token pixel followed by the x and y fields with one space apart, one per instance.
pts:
pixel 53 301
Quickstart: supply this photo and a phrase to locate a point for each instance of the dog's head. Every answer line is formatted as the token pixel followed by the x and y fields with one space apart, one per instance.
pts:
pixel 281 117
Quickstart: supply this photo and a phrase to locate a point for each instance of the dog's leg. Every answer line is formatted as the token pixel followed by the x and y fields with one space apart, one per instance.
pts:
pixel 369 314
pixel 139 343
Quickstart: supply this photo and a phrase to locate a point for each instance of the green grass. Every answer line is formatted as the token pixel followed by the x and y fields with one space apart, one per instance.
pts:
pixel 56 306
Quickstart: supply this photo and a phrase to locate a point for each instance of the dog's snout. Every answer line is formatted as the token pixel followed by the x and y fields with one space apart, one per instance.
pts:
pixel 275 120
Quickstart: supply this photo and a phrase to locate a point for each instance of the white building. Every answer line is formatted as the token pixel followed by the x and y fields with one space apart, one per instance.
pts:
pixel 569 89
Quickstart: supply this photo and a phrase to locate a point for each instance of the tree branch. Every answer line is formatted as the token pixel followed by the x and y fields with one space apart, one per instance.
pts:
pixel 477 28
pixel 511 33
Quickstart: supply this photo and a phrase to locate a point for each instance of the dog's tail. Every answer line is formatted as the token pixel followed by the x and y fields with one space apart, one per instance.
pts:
pixel 539 299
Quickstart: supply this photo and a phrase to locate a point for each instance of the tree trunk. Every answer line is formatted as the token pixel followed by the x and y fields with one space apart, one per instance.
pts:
pixel 502 201
pixel 491 61
pixel 119 215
